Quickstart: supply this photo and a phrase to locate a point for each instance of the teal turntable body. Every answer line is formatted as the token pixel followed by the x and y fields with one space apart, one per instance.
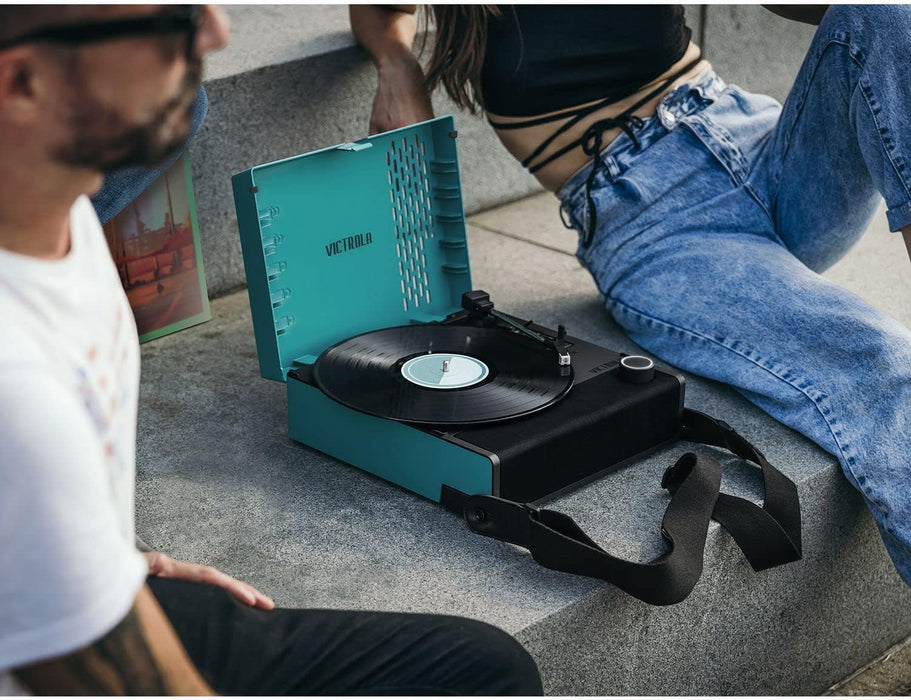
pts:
pixel 371 235
pixel 349 239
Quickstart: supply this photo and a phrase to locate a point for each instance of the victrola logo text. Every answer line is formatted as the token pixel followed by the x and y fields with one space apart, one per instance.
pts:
pixel 343 245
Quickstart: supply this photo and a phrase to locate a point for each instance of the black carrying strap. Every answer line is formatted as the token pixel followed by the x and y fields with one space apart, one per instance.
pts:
pixel 768 535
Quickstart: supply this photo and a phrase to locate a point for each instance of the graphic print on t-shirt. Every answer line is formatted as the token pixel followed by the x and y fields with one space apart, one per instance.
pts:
pixel 104 386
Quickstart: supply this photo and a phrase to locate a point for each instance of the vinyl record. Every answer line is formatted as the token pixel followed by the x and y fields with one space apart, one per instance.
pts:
pixel 399 373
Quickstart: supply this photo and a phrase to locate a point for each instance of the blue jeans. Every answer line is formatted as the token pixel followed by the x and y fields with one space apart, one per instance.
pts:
pixel 711 236
pixel 123 186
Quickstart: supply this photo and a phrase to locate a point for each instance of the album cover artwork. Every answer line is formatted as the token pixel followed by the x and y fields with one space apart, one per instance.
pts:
pixel 155 246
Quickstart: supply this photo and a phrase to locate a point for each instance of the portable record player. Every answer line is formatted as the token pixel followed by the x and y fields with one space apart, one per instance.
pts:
pixel 358 275
pixel 345 241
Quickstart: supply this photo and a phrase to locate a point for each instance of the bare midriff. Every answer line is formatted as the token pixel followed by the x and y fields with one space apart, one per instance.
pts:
pixel 521 142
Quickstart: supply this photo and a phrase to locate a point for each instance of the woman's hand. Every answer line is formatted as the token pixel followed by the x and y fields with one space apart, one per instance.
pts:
pixel 162 565
pixel 401 98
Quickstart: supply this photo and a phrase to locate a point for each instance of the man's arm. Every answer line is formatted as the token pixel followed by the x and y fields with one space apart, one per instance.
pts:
pixel 142 655
pixel 808 14
pixel 906 234
pixel 387 33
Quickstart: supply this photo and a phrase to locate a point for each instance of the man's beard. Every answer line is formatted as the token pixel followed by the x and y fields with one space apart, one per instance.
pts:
pixel 101 141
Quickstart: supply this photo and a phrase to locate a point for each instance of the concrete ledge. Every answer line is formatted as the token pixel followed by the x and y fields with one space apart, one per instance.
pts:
pixel 221 483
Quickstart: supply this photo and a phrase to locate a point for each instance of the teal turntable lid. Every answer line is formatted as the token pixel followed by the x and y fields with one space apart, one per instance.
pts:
pixel 350 239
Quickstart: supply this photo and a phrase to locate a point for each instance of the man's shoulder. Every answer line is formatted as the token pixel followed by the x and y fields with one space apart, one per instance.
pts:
pixel 35 300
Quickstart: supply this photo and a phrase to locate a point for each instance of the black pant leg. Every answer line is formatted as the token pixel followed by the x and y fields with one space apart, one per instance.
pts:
pixel 244 651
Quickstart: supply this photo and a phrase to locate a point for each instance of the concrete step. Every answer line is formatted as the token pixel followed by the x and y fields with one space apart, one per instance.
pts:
pixel 890 674
pixel 220 482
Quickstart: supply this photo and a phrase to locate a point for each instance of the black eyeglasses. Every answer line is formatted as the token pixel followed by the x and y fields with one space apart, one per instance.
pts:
pixel 184 18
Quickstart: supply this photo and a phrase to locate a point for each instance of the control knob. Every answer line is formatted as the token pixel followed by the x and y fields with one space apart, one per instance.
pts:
pixel 636 369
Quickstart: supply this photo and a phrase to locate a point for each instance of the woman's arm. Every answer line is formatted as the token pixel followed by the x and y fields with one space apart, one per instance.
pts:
pixel 808 14
pixel 387 33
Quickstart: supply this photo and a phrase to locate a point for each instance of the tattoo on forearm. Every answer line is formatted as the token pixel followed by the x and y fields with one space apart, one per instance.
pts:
pixel 120 663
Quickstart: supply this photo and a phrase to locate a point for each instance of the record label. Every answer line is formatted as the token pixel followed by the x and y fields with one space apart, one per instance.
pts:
pixel 443 370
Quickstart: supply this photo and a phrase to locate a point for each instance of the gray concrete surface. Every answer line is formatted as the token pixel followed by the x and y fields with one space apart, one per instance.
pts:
pixel 220 482
pixel 271 35
pixel 754 48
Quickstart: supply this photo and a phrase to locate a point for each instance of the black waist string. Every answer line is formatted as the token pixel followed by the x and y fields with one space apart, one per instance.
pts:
pixel 591 146
pixel 591 140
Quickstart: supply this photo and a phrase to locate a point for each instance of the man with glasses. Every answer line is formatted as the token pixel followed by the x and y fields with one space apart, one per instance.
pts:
pixel 122 186
pixel 84 91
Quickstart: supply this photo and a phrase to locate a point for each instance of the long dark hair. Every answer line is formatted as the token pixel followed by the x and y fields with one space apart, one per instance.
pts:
pixel 458 52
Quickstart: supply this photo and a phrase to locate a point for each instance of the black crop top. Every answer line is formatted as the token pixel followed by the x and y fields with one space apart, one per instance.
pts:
pixel 544 58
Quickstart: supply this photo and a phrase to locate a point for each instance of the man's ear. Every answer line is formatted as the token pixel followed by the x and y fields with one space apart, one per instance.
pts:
pixel 20 84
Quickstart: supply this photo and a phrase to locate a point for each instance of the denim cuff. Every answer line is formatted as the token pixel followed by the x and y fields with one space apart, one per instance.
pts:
pixel 899 217
pixel 122 187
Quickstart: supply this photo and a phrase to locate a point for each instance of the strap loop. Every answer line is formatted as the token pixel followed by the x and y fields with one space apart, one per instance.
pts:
pixel 501 519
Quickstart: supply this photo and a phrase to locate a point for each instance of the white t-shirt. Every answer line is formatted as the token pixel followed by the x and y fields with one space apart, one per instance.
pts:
pixel 69 381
